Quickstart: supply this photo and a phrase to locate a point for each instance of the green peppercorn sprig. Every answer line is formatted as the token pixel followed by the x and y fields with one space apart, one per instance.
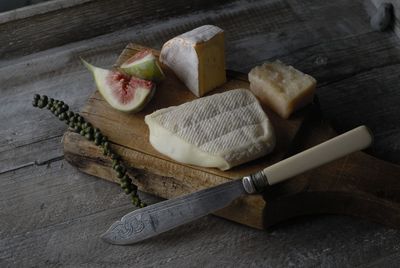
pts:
pixel 79 125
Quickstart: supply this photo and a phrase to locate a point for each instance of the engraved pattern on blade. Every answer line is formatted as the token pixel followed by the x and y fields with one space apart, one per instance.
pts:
pixel 126 228
pixel 158 218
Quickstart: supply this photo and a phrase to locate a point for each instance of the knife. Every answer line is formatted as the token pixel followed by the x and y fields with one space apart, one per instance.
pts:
pixel 163 216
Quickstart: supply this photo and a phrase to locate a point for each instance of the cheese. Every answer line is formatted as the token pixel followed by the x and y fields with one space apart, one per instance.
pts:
pixel 197 58
pixel 222 130
pixel 283 88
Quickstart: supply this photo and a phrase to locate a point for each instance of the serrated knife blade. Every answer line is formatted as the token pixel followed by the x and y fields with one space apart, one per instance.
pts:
pixel 163 216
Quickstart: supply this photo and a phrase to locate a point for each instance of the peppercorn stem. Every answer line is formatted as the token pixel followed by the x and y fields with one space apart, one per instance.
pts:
pixel 78 124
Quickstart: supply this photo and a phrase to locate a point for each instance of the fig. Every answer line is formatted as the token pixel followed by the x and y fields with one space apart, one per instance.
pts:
pixel 122 92
pixel 143 65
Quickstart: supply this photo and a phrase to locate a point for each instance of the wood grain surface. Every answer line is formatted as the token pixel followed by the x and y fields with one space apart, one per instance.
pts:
pixel 52 215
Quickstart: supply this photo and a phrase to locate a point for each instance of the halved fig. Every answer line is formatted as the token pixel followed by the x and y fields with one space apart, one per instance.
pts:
pixel 143 65
pixel 122 92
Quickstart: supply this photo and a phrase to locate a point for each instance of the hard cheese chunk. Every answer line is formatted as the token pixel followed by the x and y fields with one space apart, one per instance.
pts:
pixel 283 88
pixel 222 130
pixel 197 58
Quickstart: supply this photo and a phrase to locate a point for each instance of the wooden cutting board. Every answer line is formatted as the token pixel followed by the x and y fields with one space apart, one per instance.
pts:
pixel 359 184
pixel 129 136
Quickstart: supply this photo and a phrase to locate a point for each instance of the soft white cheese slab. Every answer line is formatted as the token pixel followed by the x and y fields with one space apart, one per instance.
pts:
pixel 222 130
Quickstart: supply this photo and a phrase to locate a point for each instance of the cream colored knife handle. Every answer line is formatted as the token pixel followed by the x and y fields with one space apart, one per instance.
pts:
pixel 349 142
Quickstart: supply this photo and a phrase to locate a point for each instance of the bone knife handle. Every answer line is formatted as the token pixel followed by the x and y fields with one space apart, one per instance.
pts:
pixel 344 144
pixel 347 143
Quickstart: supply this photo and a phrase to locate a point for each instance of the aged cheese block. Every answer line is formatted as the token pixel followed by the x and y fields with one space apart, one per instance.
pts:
pixel 222 130
pixel 283 88
pixel 197 58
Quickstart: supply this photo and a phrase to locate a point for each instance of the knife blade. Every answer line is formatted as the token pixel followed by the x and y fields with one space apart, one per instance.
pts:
pixel 163 216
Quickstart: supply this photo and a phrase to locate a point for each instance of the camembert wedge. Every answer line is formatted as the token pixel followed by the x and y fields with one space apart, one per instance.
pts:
pixel 222 130
pixel 281 87
pixel 197 58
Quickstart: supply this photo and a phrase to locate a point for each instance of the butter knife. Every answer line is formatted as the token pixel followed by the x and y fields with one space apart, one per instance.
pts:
pixel 163 216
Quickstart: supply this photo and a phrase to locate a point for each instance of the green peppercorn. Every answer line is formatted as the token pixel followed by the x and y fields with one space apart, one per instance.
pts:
pixel 114 163
pixel 127 179
pixel 123 184
pixel 80 119
pixel 98 135
pixel 62 116
pixel 106 144
pixel 70 114
pixel 128 190
pixel 65 107
pixel 89 130
pixel 135 200
pixel 89 136
pixel 86 125
pixel 120 168
pixel 71 124
pixel 142 205
pixel 41 104
pixel 97 141
pixel 117 167
pixel 77 129
pixel 120 174
pixel 104 139
pixel 36 97
pixel 35 103
pixel 96 130
pixel 45 98
pixel 105 151
pixel 82 132
pixel 58 111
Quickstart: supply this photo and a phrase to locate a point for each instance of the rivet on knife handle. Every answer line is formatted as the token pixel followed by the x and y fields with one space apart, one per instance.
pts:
pixel 349 142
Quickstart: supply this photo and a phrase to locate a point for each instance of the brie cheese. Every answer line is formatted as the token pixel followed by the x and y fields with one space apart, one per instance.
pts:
pixel 222 130
pixel 197 58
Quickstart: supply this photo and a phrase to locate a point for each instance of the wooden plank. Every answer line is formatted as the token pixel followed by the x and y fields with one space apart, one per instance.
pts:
pixel 70 22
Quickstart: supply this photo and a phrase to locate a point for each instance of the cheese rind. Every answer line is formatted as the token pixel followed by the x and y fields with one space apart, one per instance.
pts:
pixel 197 57
pixel 281 87
pixel 222 130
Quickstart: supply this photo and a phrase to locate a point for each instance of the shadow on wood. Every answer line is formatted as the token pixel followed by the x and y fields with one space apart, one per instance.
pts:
pixel 357 185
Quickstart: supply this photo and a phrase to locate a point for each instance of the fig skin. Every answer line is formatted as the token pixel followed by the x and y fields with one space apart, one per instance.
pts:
pixel 143 65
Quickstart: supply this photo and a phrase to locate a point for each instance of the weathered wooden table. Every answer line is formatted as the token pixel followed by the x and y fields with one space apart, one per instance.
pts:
pixel 52 215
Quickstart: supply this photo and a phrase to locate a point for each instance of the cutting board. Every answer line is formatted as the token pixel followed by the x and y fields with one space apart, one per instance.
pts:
pixel 322 190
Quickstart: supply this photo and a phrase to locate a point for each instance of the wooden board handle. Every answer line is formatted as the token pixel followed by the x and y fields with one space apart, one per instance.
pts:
pixel 349 142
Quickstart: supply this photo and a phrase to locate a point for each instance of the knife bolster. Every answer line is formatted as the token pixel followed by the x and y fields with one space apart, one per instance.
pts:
pixel 255 183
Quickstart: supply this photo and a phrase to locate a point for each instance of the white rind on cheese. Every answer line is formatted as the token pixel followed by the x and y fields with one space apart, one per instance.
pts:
pixel 197 57
pixel 281 87
pixel 222 130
